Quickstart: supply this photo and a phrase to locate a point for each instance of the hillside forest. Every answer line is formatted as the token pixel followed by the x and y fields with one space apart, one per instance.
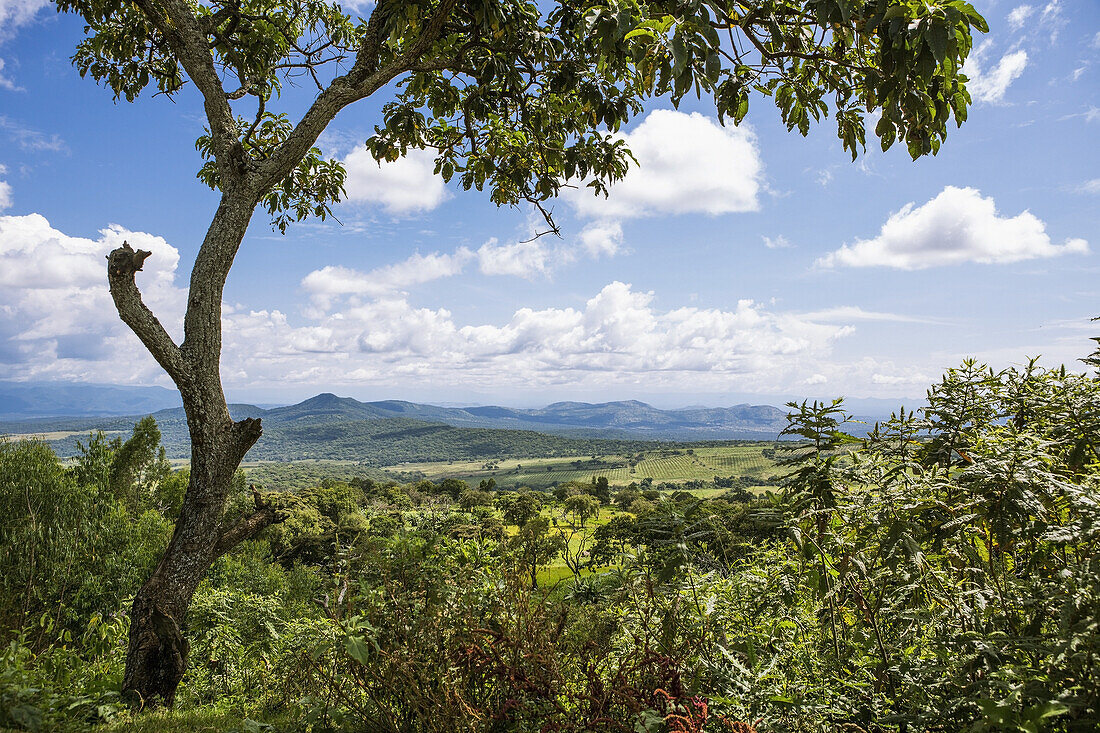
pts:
pixel 938 574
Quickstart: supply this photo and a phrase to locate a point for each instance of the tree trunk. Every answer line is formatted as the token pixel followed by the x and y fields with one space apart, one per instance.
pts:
pixel 157 655
pixel 158 648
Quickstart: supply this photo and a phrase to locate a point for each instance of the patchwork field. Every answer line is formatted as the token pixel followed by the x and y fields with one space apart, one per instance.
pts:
pixel 663 465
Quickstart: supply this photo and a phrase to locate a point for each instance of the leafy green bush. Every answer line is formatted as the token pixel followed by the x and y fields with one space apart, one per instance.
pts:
pixel 70 685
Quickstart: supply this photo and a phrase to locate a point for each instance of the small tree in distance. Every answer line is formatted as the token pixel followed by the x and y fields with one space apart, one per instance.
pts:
pixel 514 96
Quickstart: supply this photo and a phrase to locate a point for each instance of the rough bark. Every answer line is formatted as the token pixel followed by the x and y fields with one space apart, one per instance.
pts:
pixel 157 655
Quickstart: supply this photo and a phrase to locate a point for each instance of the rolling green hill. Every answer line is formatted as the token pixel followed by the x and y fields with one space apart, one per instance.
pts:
pixel 327 427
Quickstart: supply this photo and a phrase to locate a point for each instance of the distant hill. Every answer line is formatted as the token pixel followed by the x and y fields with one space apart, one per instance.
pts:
pixel 387 432
pixel 22 400
pixel 628 419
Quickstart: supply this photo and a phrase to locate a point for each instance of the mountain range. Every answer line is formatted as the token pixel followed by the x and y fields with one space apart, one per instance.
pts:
pixel 328 426
pixel 22 400
pixel 609 419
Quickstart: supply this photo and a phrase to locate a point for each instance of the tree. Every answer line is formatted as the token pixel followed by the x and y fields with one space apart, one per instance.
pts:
pixel 453 487
pixel 577 510
pixel 535 545
pixel 580 508
pixel 600 489
pixel 522 508
pixel 515 96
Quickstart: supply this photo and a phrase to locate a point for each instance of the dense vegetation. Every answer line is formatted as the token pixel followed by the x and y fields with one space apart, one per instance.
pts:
pixel 939 574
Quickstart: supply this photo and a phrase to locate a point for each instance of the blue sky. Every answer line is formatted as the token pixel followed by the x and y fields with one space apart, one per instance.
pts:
pixel 734 264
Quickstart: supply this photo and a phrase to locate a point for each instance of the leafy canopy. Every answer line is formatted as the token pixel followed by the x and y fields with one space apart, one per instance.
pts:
pixel 516 96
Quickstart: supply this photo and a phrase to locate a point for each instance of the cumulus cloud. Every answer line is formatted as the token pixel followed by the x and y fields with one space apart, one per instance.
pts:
pixel 779 242
pixel 907 377
pixel 528 259
pixel 58 315
pixel 687 164
pixel 58 323
pixel 405 186
pixel 957 226
pixel 602 239
pixel 332 280
pixel 617 336
pixel 989 85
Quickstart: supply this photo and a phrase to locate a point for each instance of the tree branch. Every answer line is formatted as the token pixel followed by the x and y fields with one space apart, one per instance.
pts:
pixel 202 341
pixel 362 80
pixel 249 525
pixel 122 263
pixel 187 39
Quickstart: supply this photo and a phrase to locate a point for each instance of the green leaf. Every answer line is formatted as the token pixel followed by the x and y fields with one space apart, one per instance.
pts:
pixel 359 648
pixel 713 67
pixel 936 37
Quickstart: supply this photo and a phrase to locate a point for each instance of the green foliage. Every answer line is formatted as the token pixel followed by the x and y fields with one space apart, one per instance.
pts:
pixel 69 685
pixel 519 508
pixel 579 508
pixel 68 550
pixel 535 546
pixel 312 187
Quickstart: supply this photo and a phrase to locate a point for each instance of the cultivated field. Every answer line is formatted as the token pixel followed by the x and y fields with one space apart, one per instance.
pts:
pixel 679 465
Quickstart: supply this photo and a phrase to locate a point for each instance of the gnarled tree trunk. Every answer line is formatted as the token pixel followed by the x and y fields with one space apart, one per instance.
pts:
pixel 158 647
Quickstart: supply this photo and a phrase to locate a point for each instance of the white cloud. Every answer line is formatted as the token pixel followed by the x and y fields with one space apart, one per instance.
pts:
pixel 336 280
pixel 779 242
pixel 6 82
pixel 617 336
pixel 1091 186
pixel 602 239
pixel 1092 114
pixel 1019 15
pixel 847 313
pixel 911 378
pixel 686 164
pixel 528 259
pixel 1051 19
pixel 16 13
pixel 405 186
pixel 5 190
pixel 58 319
pixel 990 85
pixel 30 139
pixel 1096 40
pixel 956 226
pixel 57 322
